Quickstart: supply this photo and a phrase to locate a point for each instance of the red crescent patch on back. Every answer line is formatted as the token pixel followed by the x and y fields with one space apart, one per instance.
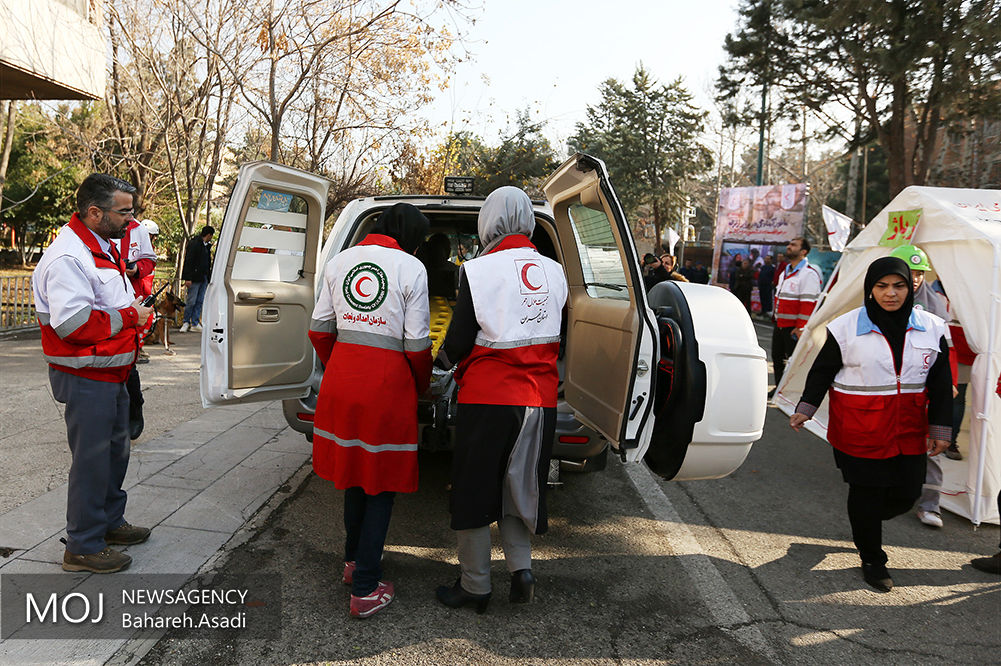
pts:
pixel 358 286
pixel 524 277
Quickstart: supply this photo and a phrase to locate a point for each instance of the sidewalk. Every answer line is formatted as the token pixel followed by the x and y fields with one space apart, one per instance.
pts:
pixel 196 485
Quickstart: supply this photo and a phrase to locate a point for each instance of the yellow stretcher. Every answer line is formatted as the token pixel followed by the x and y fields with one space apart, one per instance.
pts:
pixel 441 317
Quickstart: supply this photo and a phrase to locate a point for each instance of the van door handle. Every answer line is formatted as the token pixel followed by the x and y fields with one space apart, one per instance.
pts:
pixel 256 295
pixel 268 314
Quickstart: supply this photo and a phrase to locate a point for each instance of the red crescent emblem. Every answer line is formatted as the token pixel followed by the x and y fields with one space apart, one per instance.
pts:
pixel 524 277
pixel 358 286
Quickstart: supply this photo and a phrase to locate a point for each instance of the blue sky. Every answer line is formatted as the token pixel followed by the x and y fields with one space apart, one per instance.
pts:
pixel 551 56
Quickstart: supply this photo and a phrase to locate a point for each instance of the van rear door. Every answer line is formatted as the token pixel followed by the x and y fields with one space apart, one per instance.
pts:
pixel 611 332
pixel 260 297
pixel 674 377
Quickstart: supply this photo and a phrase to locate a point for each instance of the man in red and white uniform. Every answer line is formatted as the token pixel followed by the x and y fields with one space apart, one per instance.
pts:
pixel 371 330
pixel 91 321
pixel 798 288
pixel 136 249
pixel 505 337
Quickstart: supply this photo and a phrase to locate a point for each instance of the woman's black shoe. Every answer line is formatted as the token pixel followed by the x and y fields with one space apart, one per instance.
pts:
pixel 456 597
pixel 522 587
pixel 877 576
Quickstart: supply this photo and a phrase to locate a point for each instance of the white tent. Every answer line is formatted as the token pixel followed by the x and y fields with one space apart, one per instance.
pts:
pixel 960 230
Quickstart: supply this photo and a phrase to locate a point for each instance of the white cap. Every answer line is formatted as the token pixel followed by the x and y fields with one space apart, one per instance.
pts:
pixel 151 227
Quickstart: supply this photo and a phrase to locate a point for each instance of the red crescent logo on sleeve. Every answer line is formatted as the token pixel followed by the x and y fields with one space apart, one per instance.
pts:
pixel 358 287
pixel 524 277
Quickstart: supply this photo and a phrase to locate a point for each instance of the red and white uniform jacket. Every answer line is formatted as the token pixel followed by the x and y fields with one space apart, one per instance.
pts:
pixel 964 354
pixel 136 247
pixel 796 294
pixel 370 328
pixel 926 298
pixel 83 301
pixel 518 296
pixel 874 412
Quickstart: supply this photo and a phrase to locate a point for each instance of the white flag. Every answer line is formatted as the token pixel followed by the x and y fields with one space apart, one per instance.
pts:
pixel 672 239
pixel 838 226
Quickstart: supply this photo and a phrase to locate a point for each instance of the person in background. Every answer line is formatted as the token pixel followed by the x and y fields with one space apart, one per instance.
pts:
pixel 885 367
pixel 765 285
pixel 925 298
pixel 443 275
pixel 688 270
pixel 91 322
pixel 796 295
pixel 701 274
pixel 669 264
pixel 991 564
pixel 504 346
pixel 653 271
pixel 153 230
pixel 370 329
pixel 196 273
pixel 964 362
pixel 743 284
pixel 136 249
pixel 738 260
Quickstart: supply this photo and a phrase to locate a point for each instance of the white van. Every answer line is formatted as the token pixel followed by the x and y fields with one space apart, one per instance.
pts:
pixel 674 377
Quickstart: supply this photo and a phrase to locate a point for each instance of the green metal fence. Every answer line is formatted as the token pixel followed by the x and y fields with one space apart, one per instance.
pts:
pixel 17 304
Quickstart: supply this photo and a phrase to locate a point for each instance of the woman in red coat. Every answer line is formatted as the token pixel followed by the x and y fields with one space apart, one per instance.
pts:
pixel 370 328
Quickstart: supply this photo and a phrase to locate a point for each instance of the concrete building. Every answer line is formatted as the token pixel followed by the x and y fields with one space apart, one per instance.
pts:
pixel 52 49
pixel 969 155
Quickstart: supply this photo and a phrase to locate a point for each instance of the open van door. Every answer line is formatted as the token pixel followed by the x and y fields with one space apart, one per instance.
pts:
pixel 674 377
pixel 611 333
pixel 260 297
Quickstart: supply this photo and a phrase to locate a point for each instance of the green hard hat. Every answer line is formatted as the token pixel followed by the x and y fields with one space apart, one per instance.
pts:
pixel 913 256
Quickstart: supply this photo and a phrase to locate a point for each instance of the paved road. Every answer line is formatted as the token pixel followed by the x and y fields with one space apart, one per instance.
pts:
pixel 755 568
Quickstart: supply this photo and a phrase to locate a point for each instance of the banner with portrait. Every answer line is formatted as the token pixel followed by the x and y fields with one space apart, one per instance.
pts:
pixel 770 214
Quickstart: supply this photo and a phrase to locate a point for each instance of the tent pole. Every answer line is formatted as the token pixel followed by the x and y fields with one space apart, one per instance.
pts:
pixel 987 388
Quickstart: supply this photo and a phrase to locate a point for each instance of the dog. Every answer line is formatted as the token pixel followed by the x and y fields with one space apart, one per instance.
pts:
pixel 167 310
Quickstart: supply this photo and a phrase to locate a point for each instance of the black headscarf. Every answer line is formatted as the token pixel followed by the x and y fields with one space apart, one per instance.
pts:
pixel 405 224
pixel 893 325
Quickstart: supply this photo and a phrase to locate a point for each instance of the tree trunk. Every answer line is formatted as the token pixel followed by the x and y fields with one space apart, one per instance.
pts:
pixel 896 149
pixel 272 101
pixel 8 144
pixel 658 246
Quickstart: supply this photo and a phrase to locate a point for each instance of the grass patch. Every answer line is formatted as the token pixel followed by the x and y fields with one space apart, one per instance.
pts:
pixel 16 272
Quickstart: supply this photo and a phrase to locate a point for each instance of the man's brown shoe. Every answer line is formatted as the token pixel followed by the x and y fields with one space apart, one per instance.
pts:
pixel 126 535
pixel 107 561
pixel 990 564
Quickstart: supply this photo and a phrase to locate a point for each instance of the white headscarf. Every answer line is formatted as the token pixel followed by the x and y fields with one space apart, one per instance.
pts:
pixel 506 211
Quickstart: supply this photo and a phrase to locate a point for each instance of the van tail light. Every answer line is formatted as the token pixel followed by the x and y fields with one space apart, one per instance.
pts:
pixel 574 439
pixel 305 416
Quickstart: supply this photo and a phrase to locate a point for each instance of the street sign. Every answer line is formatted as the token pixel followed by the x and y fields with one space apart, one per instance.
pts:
pixel 459 184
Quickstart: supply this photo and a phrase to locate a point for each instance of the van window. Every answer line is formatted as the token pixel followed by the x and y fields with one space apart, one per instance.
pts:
pixel 599 254
pixel 272 240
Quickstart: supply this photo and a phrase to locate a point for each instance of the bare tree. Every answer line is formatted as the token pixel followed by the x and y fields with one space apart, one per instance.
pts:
pixel 336 82
pixel 172 49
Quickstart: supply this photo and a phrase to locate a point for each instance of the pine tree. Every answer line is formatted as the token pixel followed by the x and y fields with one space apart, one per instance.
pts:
pixel 648 135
